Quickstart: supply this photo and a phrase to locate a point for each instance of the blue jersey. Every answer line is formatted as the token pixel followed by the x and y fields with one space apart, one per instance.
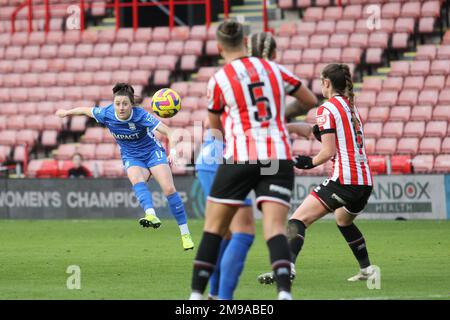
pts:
pixel 211 154
pixel 134 135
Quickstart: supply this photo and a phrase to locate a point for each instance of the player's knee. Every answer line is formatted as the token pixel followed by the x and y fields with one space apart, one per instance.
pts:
pixel 168 190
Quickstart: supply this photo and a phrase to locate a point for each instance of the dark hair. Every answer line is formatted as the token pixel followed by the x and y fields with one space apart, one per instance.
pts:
pixel 230 34
pixel 341 81
pixel 261 45
pixel 124 89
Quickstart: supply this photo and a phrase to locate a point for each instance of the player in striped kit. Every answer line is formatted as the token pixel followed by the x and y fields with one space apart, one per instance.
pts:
pixel 246 101
pixel 347 191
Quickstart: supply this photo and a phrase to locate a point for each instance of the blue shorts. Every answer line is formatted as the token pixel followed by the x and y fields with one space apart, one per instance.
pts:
pixel 206 179
pixel 155 157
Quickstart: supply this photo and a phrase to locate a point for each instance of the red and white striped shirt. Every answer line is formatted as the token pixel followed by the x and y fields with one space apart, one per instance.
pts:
pixel 250 93
pixel 350 163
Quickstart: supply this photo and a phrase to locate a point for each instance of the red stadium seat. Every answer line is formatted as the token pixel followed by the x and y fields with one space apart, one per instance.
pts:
pixel 393 83
pixel 442 163
pixel 22 66
pixel 441 113
pixel 393 129
pixel 414 83
pixel 138 49
pixel 38 65
pixel 422 163
pixel 378 114
pixel 414 129
pixel 78 124
pixel 190 103
pixel 105 151
pixel 378 40
pixel 387 98
pixel 93 135
pixel 304 28
pixel 366 99
pixel 35 122
pixel 407 97
pixel 147 63
pixel 408 145
pixel 167 62
pixel 12 80
pixel 421 113
pixel 181 87
pixel 426 24
pixel 113 168
pixel 37 94
pixel 84 50
pixel 188 62
pixel 444 52
pixel 87 151
pixel 49 138
pixel 30 52
pixel 5 152
pixel 45 168
pixel 444 97
pixel 445 147
pixel 8 137
pixel 440 67
pixel 338 40
pixel 46 107
pixel 372 84
pixel 318 41
pixel 313 14
pixel 351 55
pixel 161 78
pixel 101 50
pixel 90 36
pixel 333 13
pixel 358 40
pixel 211 48
pixel 400 40
pixel 27 108
pixel 193 47
pixel 291 57
pixel 390 10
pixel 107 36
pixel 65 151
pixel 435 82
pixel 326 27
pixel 426 52
pixel 299 42
pixel 363 113
pixel 16 122
pixel 401 164
pixel 431 9
pixel 352 12
pixel 139 77
pixel 198 32
pixel 174 48
pixel 399 68
pixel 125 35
pixel 37 38
pixel 161 34
pixel 374 55
pixel 345 26
pixel 436 129
pixel 331 55
pixel 143 35
pixel 429 97
pixel 404 25
pixel 430 145
pixel 411 9
pixel 373 129
pixel 420 68
pixel 386 146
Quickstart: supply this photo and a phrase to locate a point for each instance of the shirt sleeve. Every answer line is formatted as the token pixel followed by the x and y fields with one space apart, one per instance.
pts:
pixel 215 96
pixel 290 81
pixel 99 114
pixel 325 120
pixel 149 121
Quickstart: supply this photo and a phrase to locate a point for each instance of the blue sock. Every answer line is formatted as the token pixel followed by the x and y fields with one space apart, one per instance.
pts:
pixel 177 208
pixel 143 194
pixel 215 277
pixel 232 263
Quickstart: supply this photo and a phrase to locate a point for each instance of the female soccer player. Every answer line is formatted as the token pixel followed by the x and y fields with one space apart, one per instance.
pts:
pixel 235 246
pixel 247 94
pixel 142 154
pixel 347 191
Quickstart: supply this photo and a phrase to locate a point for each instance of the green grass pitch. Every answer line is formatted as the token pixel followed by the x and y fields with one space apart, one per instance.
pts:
pixel 120 260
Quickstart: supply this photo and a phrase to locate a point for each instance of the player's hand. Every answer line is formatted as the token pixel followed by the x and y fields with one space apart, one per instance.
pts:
pixel 316 132
pixel 61 113
pixel 303 162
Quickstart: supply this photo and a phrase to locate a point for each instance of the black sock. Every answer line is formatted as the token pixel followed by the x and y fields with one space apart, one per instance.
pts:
pixel 357 243
pixel 205 261
pixel 280 257
pixel 296 235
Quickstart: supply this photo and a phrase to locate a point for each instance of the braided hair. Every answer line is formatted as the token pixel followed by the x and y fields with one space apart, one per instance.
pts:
pixel 261 45
pixel 124 89
pixel 341 81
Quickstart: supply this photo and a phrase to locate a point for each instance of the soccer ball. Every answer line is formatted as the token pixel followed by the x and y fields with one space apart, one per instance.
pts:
pixel 166 103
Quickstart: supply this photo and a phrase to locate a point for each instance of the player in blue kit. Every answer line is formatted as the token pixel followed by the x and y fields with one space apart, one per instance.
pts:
pixel 142 154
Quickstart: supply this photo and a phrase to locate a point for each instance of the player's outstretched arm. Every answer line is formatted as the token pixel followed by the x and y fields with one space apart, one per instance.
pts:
pixel 80 111
pixel 306 100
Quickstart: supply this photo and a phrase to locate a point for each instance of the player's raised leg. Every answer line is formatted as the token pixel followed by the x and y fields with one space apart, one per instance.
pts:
pixel 163 176
pixel 138 177
pixel 355 241
pixel 217 221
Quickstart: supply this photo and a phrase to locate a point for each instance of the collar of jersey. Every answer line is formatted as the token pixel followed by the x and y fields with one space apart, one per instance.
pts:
pixel 129 118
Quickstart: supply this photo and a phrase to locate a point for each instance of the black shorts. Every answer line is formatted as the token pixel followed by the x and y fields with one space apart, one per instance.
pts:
pixel 334 195
pixel 271 181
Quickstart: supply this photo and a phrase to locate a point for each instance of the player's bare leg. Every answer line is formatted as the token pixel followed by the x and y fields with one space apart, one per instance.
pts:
pixel 138 177
pixel 356 242
pixel 163 175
